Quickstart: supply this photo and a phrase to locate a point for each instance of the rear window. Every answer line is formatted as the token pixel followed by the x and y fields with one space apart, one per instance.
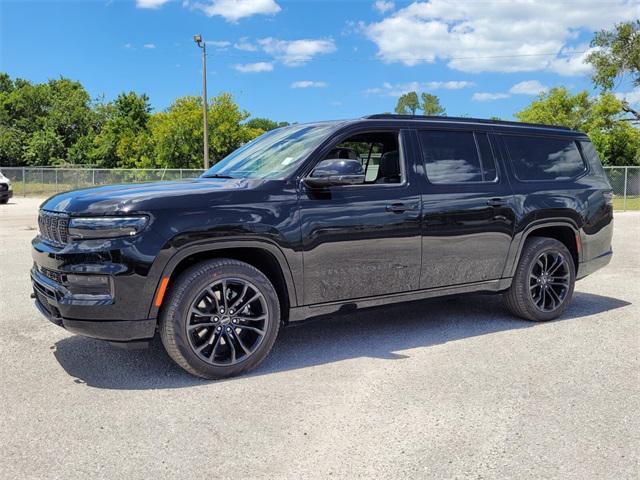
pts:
pixel 453 157
pixel 544 158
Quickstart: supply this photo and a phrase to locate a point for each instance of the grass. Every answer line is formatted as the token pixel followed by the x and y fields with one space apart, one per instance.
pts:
pixel 633 202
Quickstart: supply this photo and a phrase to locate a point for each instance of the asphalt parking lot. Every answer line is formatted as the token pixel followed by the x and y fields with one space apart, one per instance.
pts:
pixel 453 388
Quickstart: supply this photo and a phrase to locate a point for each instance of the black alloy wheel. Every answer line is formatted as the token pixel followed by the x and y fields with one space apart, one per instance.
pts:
pixel 227 321
pixel 220 318
pixel 549 280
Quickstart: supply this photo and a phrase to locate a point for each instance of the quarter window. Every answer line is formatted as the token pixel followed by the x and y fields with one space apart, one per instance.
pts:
pixel 544 158
pixel 457 157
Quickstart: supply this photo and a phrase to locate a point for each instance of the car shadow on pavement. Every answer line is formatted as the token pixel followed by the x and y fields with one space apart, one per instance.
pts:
pixel 379 332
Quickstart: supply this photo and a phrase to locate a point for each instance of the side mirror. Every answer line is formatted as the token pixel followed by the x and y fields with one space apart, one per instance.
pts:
pixel 335 171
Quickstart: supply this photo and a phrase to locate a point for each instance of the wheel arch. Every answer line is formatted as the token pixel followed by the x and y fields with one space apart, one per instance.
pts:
pixel 563 230
pixel 262 255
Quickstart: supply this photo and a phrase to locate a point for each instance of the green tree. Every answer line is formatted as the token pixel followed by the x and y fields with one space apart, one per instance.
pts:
pixel 226 132
pixel 558 107
pixel 431 105
pixel 58 111
pixel 408 103
pixel 177 132
pixel 617 56
pixel 265 124
pixel 44 147
pixel 119 122
pixel 617 142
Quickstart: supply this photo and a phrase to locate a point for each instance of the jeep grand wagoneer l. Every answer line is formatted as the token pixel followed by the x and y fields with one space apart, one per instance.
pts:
pixel 309 218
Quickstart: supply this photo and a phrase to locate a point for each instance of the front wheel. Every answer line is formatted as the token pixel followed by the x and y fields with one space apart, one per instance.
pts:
pixel 221 319
pixel 542 287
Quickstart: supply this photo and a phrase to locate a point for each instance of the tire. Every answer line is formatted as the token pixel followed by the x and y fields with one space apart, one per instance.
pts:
pixel 538 296
pixel 197 312
pixel 4 201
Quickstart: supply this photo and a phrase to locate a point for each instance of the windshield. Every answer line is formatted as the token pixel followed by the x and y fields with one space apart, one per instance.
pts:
pixel 273 155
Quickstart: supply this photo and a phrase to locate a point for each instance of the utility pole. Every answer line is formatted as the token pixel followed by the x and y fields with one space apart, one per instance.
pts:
pixel 203 46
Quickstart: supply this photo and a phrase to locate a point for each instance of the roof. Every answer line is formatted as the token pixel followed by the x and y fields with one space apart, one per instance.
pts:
pixel 463 120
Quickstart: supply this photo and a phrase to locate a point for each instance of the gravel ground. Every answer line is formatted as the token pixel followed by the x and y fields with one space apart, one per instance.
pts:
pixel 438 389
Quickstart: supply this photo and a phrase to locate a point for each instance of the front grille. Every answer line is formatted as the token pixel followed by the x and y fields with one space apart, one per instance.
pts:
pixel 54 227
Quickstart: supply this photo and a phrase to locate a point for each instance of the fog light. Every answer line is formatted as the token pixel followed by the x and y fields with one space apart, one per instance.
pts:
pixel 88 280
pixel 89 284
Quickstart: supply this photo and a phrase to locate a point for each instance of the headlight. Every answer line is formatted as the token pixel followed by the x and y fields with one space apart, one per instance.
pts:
pixel 106 227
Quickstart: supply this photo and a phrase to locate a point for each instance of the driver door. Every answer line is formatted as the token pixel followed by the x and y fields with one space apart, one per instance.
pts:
pixel 362 240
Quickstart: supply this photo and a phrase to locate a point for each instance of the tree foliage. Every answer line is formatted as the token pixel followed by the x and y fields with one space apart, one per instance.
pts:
pixel 616 140
pixel 56 123
pixel 264 124
pixel 431 105
pixel 409 103
pixel 617 56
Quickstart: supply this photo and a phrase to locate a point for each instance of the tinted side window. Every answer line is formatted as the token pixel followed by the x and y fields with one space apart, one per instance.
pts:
pixel 591 155
pixel 452 157
pixel 544 158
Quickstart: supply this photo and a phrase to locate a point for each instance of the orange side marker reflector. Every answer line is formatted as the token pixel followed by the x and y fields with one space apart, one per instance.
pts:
pixel 578 243
pixel 161 291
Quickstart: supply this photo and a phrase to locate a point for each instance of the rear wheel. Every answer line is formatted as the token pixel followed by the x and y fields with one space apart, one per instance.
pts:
pixel 543 285
pixel 221 319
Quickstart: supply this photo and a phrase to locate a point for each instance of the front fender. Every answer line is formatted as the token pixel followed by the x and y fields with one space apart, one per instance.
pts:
pixel 171 256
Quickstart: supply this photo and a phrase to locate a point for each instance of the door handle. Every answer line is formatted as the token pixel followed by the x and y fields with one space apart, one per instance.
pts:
pixel 496 202
pixel 397 208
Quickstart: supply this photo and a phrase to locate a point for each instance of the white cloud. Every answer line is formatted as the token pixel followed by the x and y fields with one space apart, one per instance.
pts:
pixel 383 7
pixel 128 45
pixel 485 97
pixel 245 45
pixel 528 87
pixel 150 3
pixel 397 89
pixel 234 10
pixel 149 45
pixel 633 97
pixel 571 61
pixel 296 52
pixel 308 84
pixel 511 36
pixel 254 67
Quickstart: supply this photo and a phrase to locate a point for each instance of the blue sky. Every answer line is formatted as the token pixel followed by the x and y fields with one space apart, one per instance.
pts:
pixel 312 60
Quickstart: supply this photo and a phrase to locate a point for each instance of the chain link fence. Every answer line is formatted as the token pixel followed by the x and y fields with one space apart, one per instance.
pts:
pixel 48 181
pixel 625 182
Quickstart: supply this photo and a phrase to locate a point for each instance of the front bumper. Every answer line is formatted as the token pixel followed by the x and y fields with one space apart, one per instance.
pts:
pixel 53 299
pixel 6 194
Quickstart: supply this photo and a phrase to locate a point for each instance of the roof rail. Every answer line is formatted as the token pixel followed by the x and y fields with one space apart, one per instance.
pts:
pixel 390 116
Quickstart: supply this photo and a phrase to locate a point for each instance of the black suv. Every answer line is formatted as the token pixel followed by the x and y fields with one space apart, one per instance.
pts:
pixel 312 219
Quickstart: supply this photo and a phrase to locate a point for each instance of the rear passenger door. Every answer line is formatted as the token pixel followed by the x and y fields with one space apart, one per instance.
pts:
pixel 467 205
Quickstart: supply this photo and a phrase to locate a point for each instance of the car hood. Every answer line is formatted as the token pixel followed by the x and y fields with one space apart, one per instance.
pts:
pixel 118 199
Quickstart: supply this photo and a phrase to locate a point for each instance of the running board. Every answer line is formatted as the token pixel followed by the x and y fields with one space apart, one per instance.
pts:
pixel 297 314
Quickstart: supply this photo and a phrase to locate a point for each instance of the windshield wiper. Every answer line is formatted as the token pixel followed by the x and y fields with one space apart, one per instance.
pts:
pixel 217 175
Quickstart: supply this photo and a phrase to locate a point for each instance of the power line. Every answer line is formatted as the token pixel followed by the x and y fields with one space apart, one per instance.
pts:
pixel 232 55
